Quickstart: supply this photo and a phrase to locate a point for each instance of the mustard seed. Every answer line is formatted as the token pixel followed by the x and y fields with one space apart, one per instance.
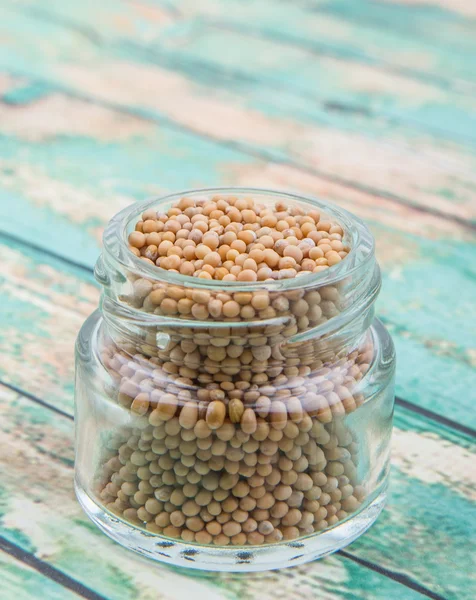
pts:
pixel 137 239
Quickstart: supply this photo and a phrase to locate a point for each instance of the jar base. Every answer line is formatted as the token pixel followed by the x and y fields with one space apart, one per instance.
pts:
pixel 235 558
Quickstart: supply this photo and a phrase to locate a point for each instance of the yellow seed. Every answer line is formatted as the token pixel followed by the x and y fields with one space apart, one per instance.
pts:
pixel 231 309
pixel 140 404
pixel 333 258
pixel 278 414
pixel 235 410
pixel 188 415
pixel 247 275
pixel 167 407
pixel 215 416
pixel 137 239
pixel 248 421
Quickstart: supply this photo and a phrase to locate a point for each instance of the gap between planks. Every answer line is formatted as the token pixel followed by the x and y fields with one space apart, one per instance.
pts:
pixel 398 577
pixel 48 570
pixel 319 49
pixel 430 415
pixel 58 576
pixel 259 153
pixel 450 423
pixel 94 37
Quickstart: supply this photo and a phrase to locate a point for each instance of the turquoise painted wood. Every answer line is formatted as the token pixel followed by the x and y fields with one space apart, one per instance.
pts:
pixel 64 536
pixel 370 104
pixel 287 108
pixel 46 303
pixel 431 351
pixel 22 582
pixel 100 176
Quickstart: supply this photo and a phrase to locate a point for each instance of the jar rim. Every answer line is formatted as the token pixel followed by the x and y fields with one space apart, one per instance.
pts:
pixel 361 241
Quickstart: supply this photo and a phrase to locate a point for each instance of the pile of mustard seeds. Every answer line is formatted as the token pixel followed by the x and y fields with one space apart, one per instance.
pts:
pixel 237 239
pixel 224 486
pixel 240 434
pixel 244 395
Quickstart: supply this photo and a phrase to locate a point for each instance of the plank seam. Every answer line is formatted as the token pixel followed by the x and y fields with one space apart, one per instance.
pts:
pixel 47 252
pixel 247 150
pixel 398 577
pixel 435 416
pixel 259 153
pixel 90 271
pixel 36 399
pixel 395 576
pixel 48 570
pixel 328 50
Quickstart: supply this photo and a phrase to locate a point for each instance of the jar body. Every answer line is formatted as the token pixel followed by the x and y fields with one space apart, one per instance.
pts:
pixel 234 444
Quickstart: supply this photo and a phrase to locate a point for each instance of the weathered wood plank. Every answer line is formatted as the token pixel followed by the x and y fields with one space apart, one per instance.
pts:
pixel 45 299
pixel 21 582
pixel 100 160
pixel 458 6
pixel 37 456
pixel 123 144
pixel 49 173
pixel 389 48
pixel 429 43
pixel 291 42
pixel 417 536
pixel 421 269
pixel 424 43
pixel 284 126
pixel 50 304
pixel 436 25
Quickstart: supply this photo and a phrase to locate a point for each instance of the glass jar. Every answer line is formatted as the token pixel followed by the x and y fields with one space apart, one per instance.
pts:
pixel 232 425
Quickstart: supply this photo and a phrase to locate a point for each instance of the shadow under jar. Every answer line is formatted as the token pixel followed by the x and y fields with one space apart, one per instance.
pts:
pixel 251 441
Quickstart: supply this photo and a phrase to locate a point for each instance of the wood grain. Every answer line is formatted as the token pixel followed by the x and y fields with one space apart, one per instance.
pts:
pixel 37 446
pixel 370 105
pixel 52 302
pixel 22 582
pixel 273 109
pixel 420 272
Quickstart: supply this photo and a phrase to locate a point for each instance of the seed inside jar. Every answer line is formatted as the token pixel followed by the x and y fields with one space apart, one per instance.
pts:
pixel 248 493
pixel 238 239
pixel 240 433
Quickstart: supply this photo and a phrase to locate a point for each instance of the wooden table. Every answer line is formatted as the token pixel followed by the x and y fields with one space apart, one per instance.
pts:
pixel 368 103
